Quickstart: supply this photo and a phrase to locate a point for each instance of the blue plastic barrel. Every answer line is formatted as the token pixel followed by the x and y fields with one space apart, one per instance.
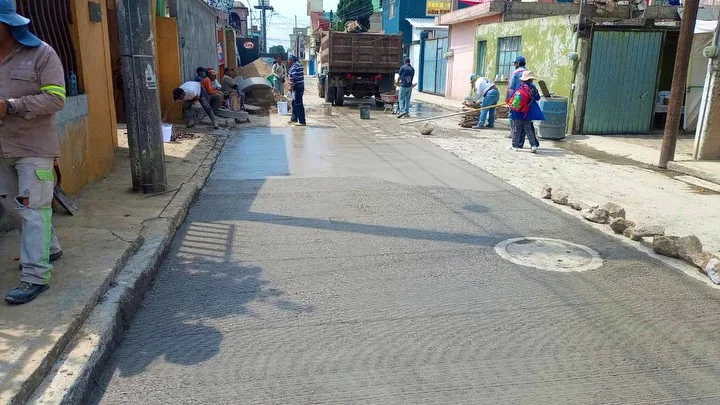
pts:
pixel 555 111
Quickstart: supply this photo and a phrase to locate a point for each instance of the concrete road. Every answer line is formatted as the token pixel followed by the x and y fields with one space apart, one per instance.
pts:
pixel 325 266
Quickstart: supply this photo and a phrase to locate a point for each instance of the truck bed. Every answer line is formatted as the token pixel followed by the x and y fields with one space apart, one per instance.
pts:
pixel 361 52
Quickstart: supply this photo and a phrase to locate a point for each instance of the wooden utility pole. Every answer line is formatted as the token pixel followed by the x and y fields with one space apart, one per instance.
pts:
pixel 677 90
pixel 137 53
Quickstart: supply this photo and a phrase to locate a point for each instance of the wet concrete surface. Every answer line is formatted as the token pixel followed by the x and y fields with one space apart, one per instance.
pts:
pixel 332 266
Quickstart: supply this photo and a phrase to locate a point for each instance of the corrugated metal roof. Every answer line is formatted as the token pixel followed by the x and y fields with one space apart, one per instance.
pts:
pixel 425 23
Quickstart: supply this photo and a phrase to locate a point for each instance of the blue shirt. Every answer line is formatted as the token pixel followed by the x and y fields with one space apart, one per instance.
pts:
pixel 407 74
pixel 515 80
pixel 535 113
pixel 297 73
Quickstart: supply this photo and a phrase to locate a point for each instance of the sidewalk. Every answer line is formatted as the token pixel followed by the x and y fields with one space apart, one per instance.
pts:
pixel 643 149
pixel 113 223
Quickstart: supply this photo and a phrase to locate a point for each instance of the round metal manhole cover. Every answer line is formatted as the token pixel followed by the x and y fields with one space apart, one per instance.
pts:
pixel 549 254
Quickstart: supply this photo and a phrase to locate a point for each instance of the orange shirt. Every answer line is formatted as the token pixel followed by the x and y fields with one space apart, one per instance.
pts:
pixel 208 86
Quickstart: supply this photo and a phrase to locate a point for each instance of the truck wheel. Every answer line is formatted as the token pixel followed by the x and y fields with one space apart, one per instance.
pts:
pixel 329 95
pixel 340 96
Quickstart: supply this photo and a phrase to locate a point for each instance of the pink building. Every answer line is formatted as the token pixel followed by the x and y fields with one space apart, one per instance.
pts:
pixel 462 25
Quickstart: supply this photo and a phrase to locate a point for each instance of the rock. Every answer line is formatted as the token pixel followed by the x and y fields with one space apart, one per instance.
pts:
pixel 614 210
pixel 630 233
pixel 586 205
pixel 650 231
pixel 560 196
pixel 575 205
pixel 666 245
pixel 619 225
pixel 427 129
pixel 713 270
pixel 688 247
pixel 546 192
pixel 701 260
pixel 597 215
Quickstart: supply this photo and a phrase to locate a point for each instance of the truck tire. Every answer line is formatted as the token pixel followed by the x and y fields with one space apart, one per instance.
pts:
pixel 329 95
pixel 340 96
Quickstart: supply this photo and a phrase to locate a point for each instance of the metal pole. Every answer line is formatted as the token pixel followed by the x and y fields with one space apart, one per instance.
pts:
pixel 677 90
pixel 264 26
pixel 142 102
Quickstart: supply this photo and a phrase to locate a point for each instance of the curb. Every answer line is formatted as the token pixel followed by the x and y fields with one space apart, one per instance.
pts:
pixel 71 374
pixel 691 171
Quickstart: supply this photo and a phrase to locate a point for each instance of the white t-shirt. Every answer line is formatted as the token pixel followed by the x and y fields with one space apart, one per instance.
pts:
pixel 192 90
pixel 482 85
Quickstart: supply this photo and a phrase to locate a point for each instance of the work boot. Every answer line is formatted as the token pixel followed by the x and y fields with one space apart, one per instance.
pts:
pixel 25 292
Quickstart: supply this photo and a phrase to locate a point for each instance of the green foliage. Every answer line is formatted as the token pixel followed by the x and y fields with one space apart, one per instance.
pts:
pixel 277 50
pixel 359 10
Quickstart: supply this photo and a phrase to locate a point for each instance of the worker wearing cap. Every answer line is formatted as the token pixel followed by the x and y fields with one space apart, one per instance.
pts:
pixel 297 85
pixel 33 90
pixel 517 73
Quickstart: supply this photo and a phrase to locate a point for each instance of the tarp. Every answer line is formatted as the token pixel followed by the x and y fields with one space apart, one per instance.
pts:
pixel 696 74
pixel 705 27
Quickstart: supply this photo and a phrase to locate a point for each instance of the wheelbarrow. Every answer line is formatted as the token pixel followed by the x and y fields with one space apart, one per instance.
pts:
pixel 391 102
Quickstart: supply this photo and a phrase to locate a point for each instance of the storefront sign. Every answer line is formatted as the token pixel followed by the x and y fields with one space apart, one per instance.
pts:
pixel 437 7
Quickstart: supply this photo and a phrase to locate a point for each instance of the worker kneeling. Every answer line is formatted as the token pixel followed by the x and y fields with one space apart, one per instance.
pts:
pixel 189 94
pixel 486 91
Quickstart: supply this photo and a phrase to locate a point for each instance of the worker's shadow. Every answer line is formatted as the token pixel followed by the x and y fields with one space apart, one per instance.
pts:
pixel 198 289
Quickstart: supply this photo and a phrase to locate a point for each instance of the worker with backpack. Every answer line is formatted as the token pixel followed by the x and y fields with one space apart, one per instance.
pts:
pixel 524 109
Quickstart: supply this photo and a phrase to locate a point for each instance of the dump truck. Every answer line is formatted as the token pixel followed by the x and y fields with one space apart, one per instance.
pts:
pixel 360 64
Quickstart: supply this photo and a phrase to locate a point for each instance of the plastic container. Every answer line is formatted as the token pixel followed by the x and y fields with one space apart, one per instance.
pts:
pixel 167 132
pixel 327 110
pixel 365 112
pixel 555 111
pixel 282 107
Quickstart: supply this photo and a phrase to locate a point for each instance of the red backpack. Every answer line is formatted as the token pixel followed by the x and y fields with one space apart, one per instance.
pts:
pixel 521 99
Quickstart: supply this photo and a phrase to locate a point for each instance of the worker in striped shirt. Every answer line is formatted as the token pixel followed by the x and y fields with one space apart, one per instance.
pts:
pixel 297 86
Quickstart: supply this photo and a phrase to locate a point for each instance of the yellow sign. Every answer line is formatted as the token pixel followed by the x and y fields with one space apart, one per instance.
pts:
pixel 437 7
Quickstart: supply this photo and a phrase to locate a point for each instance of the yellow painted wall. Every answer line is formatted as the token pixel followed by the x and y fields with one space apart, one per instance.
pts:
pixel 88 144
pixel 167 54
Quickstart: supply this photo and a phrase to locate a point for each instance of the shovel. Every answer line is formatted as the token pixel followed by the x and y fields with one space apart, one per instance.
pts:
pixel 60 197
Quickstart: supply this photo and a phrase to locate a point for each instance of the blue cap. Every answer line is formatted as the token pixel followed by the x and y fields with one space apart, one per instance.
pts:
pixel 473 76
pixel 292 57
pixel 23 35
pixel 520 59
pixel 9 16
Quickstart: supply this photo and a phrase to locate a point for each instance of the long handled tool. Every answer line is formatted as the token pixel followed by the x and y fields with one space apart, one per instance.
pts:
pixel 60 197
pixel 453 114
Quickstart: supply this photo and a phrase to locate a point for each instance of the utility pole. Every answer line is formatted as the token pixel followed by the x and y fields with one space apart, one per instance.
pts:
pixel 677 90
pixel 147 154
pixel 263 6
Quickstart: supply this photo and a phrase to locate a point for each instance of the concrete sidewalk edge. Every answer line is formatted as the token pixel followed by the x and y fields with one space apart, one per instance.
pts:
pixel 71 373
pixel 680 167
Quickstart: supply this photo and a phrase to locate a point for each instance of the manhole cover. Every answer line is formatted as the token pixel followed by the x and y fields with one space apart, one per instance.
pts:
pixel 549 254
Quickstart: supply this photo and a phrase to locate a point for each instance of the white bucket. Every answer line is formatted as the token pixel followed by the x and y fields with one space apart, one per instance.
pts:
pixel 167 132
pixel 282 107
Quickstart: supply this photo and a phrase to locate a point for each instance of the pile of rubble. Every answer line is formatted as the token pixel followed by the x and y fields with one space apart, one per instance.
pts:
pixel 470 118
pixel 687 248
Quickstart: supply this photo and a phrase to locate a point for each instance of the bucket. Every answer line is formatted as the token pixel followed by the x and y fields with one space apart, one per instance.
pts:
pixel 365 112
pixel 327 109
pixel 167 132
pixel 282 107
pixel 555 111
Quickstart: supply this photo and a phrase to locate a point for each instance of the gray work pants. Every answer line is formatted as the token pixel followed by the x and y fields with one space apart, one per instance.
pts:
pixel 31 179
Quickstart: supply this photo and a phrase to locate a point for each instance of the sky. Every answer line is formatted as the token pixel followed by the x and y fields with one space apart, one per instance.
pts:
pixel 282 20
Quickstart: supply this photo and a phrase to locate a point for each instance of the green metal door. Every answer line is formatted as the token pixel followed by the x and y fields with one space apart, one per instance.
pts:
pixel 621 84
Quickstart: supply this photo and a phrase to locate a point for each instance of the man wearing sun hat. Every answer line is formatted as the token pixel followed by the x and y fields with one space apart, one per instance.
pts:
pixel 32 91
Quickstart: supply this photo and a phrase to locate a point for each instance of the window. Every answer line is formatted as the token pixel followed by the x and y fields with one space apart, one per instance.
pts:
pixel 508 50
pixel 391 9
pixel 480 67
pixel 51 21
